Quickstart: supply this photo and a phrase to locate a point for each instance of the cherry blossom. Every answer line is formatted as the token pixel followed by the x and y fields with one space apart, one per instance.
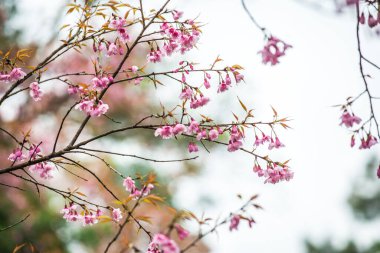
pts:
pixel 16 155
pixel 162 244
pixel 182 233
pixel 192 147
pixel 274 49
pixel 35 91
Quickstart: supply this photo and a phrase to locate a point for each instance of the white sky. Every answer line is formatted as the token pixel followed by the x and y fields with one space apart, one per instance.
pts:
pixel 320 71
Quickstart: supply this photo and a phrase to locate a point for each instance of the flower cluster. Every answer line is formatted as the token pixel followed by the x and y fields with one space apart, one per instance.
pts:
pixel 162 244
pixel 130 186
pixel 43 169
pixel 348 120
pixel 15 75
pixel 274 173
pixel 119 25
pixel 35 91
pixel 274 49
pixel 87 217
pixel 92 107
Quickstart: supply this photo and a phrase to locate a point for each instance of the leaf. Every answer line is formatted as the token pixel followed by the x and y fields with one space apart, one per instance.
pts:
pixel 237 66
pixel 236 117
pixel 242 104
pixel 274 111
pixel 63 27
pixel 147 219
pixel 18 247
pixel 81 194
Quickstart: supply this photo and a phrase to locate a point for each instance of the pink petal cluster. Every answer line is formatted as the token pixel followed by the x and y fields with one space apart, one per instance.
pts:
pixel 348 120
pixel 177 14
pixel 101 82
pixel 262 140
pixel 43 169
pixel 235 139
pixel 162 244
pixel 274 173
pixel 371 21
pixel 34 151
pixel 182 233
pixel 35 91
pixel 275 143
pixel 130 186
pixel 15 75
pixel 225 84
pixel 119 25
pixel 16 155
pixel 367 143
pixel 178 40
pixel 114 49
pixel 192 147
pixel 92 108
pixel 154 56
pixel 274 49
pixel 234 222
pixel 116 215
pixel 70 213
pixel 198 102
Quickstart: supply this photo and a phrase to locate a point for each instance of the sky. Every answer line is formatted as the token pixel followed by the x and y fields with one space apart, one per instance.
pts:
pixel 321 70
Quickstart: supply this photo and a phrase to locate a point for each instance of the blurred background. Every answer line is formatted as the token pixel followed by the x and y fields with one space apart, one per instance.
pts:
pixel 332 204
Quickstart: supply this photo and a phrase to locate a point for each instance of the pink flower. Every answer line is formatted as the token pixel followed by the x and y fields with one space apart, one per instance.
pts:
pixel 182 233
pixel 276 173
pixel 206 83
pixel 273 50
pixel 234 143
pixel 116 214
pixel 16 74
pixel 35 91
pixel 213 134
pixel 179 129
pixel 129 184
pixel 193 127
pixel 170 48
pixel 275 144
pixel 101 83
pixel 138 80
pixel 202 101
pixel 43 169
pixel 257 169
pixel 368 143
pixel 91 108
pixel 16 155
pixel 34 151
pixel 362 19
pixel 186 93
pixel 162 244
pixel 119 24
pixel 177 14
pixel 166 132
pixel 112 49
pixel 349 120
pixel 202 135
pixel 134 69
pixel 89 219
pixel 70 213
pixel 234 222
pixel 192 147
pixel 154 56
pixel 352 141
pixel 72 89
pixel 372 22
pixel 222 86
